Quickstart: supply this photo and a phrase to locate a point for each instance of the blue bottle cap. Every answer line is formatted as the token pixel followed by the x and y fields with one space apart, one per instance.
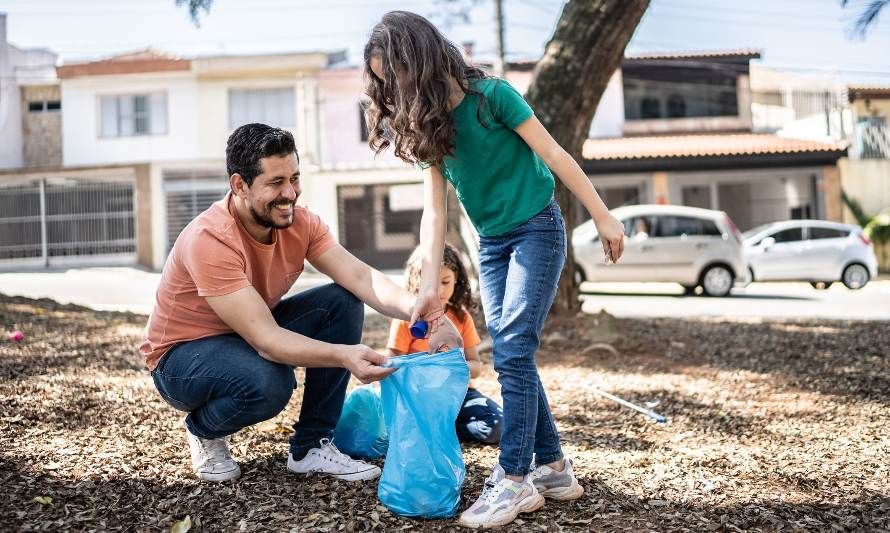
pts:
pixel 419 329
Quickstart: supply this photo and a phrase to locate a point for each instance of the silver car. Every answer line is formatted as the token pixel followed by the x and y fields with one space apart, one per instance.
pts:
pixel 817 251
pixel 686 245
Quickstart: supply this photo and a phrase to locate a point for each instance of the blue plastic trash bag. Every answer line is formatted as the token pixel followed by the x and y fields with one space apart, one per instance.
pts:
pixel 361 431
pixel 424 469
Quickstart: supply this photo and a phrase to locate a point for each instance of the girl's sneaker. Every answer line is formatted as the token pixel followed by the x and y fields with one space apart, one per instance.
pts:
pixel 557 485
pixel 501 502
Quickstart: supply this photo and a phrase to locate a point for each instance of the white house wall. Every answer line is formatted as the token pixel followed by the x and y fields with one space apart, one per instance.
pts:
pixel 81 140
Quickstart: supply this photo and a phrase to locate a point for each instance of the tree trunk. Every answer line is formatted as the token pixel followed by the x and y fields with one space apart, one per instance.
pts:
pixel 584 52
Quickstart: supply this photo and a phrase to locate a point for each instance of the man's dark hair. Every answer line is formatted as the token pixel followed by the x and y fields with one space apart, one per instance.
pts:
pixel 252 142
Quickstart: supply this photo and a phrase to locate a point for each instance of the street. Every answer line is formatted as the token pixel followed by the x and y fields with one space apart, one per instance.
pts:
pixel 776 300
pixel 130 289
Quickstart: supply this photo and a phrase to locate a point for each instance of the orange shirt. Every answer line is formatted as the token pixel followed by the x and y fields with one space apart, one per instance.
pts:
pixel 400 338
pixel 213 256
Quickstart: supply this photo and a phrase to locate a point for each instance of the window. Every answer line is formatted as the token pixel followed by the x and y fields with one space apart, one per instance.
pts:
pixel 44 106
pixel 788 235
pixel 275 107
pixel 678 93
pixel 678 226
pixel 827 233
pixel 639 227
pixel 676 106
pixel 133 115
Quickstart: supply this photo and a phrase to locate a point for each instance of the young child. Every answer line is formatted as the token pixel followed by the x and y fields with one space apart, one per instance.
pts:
pixel 479 134
pixel 480 418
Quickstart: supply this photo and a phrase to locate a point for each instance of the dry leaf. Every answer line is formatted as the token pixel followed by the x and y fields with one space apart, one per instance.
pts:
pixel 43 500
pixel 182 526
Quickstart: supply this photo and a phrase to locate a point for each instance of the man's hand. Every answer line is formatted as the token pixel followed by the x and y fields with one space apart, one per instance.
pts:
pixel 445 336
pixel 364 363
pixel 611 233
pixel 428 307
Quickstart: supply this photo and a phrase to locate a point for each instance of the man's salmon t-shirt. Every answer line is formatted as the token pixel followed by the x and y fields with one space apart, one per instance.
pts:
pixel 214 256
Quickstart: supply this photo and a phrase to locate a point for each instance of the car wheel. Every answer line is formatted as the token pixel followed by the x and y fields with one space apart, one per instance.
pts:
pixel 855 276
pixel 579 275
pixel 821 285
pixel 717 280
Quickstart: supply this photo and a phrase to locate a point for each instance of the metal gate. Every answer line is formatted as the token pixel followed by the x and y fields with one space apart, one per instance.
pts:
pixel 61 221
pixel 188 193
pixel 376 228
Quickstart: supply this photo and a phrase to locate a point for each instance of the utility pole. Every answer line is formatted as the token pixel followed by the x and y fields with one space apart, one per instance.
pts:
pixel 499 28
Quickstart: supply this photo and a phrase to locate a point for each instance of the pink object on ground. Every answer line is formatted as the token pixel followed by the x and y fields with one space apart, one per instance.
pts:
pixel 17 336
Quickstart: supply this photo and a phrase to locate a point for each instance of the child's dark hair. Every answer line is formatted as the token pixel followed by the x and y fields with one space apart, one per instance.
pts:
pixel 411 106
pixel 462 300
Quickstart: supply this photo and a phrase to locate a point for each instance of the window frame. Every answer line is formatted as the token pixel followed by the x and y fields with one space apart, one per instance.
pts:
pixel 136 115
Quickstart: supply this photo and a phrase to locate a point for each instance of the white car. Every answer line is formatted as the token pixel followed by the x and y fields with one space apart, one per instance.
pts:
pixel 817 251
pixel 687 245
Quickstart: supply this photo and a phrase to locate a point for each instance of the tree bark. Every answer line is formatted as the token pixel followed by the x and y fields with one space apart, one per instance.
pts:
pixel 585 50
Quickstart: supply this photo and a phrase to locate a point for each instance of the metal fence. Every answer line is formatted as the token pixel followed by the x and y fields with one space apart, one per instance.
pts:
pixel 53 221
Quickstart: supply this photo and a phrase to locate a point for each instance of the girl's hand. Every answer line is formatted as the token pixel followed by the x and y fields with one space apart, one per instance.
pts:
pixel 428 307
pixel 611 233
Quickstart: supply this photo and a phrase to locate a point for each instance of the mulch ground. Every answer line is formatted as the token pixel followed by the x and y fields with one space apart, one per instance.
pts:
pixel 772 426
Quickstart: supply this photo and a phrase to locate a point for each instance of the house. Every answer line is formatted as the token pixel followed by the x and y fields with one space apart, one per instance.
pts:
pixel 143 151
pixel 30 106
pixel 689 135
pixel 865 175
pixel 143 136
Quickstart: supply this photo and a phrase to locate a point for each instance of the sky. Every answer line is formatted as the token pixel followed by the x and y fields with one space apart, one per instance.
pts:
pixel 801 36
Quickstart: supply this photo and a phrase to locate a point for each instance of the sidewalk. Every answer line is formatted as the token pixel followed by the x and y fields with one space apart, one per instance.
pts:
pixel 112 288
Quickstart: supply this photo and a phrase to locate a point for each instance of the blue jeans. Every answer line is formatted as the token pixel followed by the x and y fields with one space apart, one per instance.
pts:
pixel 225 385
pixel 519 272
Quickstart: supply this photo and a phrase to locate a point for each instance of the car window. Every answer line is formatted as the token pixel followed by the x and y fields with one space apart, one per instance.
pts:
pixel 639 226
pixel 827 233
pixel 788 235
pixel 676 226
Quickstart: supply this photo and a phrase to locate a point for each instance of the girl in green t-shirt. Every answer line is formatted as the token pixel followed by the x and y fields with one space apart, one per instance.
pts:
pixel 478 133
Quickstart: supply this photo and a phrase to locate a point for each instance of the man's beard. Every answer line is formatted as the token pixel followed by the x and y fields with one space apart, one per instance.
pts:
pixel 265 219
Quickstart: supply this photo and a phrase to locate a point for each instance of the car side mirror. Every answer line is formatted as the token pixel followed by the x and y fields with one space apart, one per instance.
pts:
pixel 767 242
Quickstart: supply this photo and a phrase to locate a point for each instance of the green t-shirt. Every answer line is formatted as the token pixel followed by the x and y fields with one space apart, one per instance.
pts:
pixel 498 178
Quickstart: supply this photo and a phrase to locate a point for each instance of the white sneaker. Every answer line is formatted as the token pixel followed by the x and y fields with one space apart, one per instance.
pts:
pixel 210 458
pixel 327 459
pixel 555 484
pixel 501 502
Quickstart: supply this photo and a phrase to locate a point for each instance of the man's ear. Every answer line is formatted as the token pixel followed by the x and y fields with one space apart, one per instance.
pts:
pixel 239 186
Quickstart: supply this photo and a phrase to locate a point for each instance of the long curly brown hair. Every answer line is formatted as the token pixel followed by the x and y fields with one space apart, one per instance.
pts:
pixel 461 300
pixel 411 105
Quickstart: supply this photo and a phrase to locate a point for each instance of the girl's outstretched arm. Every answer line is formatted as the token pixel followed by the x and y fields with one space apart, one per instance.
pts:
pixel 611 231
pixel 432 242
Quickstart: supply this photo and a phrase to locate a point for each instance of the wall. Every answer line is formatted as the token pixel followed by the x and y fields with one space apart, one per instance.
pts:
pixel 81 141
pixel 754 197
pixel 609 118
pixel 868 181
pixel 10 110
pixel 41 131
pixel 213 113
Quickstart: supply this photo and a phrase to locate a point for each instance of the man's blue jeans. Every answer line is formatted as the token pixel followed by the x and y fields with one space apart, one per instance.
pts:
pixel 519 273
pixel 225 385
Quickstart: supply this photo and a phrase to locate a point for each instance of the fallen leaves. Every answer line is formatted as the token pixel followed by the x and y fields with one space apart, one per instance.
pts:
pixel 773 426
